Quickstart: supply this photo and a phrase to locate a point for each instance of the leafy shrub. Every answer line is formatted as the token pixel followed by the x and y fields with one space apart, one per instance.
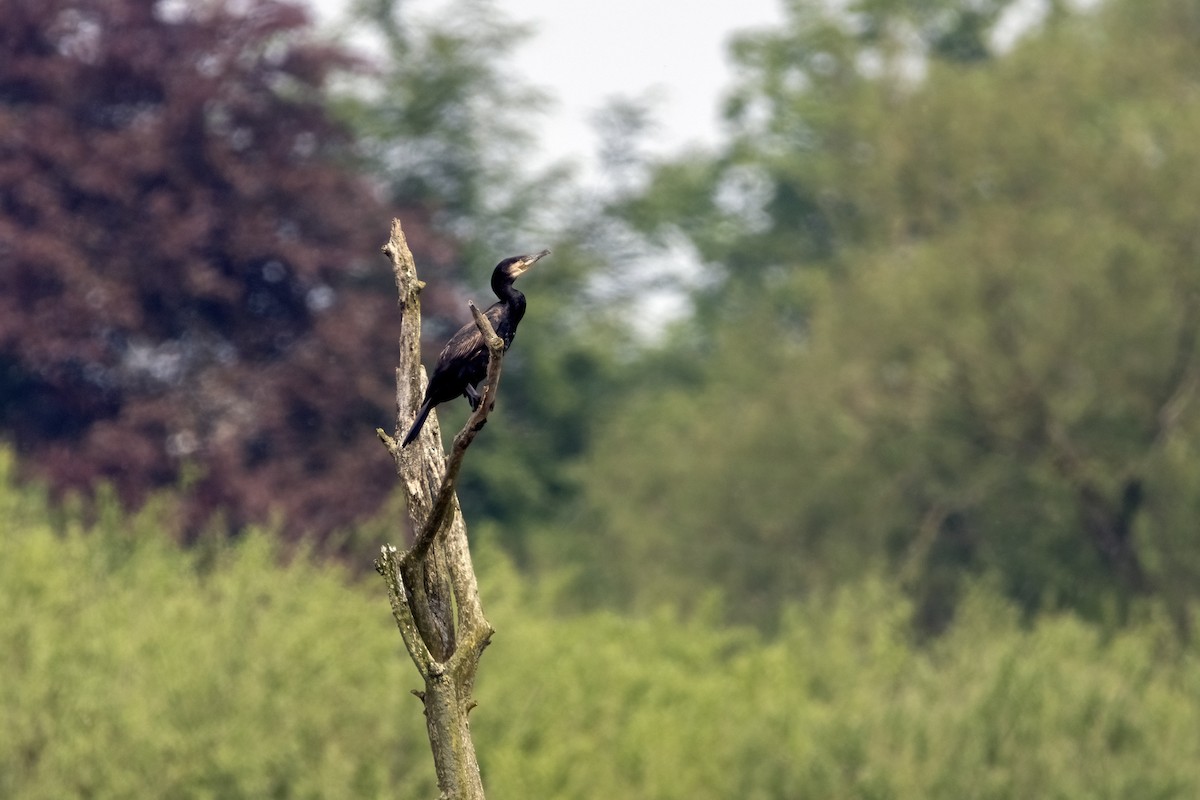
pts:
pixel 134 668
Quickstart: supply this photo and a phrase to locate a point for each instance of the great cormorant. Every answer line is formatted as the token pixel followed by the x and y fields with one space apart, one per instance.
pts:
pixel 463 362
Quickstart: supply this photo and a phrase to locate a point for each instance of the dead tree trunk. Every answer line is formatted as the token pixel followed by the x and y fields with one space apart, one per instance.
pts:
pixel 431 585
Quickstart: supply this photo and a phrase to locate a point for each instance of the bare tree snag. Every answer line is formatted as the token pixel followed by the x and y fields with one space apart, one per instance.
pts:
pixel 431 586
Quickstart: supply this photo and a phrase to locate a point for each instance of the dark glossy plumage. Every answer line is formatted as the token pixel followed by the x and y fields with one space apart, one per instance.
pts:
pixel 463 362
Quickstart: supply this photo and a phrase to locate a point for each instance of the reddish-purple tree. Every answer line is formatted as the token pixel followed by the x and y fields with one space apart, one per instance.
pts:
pixel 186 263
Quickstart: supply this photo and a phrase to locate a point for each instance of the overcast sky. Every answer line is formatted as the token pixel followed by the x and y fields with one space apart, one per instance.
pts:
pixel 586 53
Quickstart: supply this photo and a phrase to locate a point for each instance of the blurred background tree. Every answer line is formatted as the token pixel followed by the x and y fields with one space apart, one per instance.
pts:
pixel 183 241
pixel 951 326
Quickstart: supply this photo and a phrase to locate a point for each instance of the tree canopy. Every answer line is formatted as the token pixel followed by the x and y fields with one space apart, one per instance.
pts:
pixel 952 329
pixel 260 676
pixel 192 294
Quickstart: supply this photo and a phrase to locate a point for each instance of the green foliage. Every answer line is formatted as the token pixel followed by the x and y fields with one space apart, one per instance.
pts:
pixel 775 195
pixel 135 669
pixel 446 123
pixel 955 328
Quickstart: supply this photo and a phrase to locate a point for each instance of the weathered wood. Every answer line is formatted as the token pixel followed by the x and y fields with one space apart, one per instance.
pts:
pixel 427 582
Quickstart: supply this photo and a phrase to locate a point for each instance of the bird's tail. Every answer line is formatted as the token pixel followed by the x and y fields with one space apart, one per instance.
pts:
pixel 418 423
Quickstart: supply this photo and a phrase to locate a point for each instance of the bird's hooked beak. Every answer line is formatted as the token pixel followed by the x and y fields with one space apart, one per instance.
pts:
pixel 523 263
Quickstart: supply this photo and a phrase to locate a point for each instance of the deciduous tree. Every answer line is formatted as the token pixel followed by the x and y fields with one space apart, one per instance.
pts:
pixel 965 338
pixel 183 257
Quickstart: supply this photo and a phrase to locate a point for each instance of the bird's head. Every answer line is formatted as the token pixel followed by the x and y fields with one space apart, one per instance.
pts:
pixel 512 268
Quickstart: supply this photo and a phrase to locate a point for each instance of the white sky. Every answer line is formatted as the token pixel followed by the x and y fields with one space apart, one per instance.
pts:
pixel 585 53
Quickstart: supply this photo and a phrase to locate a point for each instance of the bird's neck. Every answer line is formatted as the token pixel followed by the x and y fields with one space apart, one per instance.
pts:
pixel 509 295
pixel 512 305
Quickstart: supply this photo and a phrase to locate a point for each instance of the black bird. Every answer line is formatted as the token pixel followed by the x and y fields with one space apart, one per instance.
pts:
pixel 463 362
